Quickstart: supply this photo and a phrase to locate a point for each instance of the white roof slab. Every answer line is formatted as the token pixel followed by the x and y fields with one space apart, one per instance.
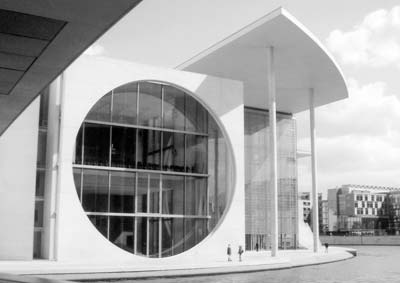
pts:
pixel 301 63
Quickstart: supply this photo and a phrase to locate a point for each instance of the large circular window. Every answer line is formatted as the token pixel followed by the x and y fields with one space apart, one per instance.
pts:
pixel 152 169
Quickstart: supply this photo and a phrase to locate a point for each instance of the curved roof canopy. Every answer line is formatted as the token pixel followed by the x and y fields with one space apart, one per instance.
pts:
pixel 301 63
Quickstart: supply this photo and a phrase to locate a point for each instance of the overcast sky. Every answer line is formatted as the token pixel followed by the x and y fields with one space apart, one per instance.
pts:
pixel 359 138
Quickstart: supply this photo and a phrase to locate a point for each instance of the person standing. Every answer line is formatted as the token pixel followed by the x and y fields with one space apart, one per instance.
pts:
pixel 229 252
pixel 326 247
pixel 256 247
pixel 240 252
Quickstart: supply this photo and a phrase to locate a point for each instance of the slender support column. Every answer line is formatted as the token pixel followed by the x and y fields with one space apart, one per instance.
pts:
pixel 49 219
pixel 273 160
pixel 314 194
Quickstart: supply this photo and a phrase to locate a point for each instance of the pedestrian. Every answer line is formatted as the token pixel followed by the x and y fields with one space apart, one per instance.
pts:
pixel 229 252
pixel 240 252
pixel 326 247
pixel 256 247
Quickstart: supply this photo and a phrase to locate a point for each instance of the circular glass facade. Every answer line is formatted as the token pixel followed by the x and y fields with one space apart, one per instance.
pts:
pixel 152 169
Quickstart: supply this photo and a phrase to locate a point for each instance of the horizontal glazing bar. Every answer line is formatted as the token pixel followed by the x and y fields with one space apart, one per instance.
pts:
pixel 151 215
pixel 145 127
pixel 108 168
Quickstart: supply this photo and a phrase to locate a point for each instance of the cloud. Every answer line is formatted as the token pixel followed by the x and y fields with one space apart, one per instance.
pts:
pixel 358 139
pixel 374 42
pixel 95 50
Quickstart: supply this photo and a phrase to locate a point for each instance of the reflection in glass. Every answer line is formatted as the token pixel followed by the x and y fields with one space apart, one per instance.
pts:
pixel 122 192
pixel 154 193
pixel 149 149
pixel 149 104
pixel 172 236
pixel 174 108
pixel 40 179
pixel 173 152
pixel 196 154
pixel 196 116
pixel 172 194
pixel 153 237
pixel 97 144
pixel 123 147
pixel 196 196
pixel 95 190
pixel 124 104
pixel 141 236
pixel 101 111
pixel 38 213
pixel 122 232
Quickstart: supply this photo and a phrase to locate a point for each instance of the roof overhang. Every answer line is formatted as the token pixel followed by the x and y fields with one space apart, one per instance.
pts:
pixel 301 63
pixel 39 39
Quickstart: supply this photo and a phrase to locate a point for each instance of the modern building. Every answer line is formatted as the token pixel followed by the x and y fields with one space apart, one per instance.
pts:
pixel 127 161
pixel 323 216
pixel 360 208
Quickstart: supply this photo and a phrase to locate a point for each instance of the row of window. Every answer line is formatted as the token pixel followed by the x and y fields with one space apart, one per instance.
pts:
pixel 151 236
pixel 372 198
pixel 368 204
pixel 128 192
pixel 374 211
pixel 105 145
pixel 153 105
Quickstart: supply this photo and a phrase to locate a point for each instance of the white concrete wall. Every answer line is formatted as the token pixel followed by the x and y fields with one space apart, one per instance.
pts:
pixel 86 81
pixel 18 150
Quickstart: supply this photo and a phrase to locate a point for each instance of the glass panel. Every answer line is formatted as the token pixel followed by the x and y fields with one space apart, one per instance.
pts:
pixel 196 154
pixel 95 191
pixel 122 232
pixel 149 104
pixel 123 147
pixel 38 213
pixel 153 237
pixel 174 108
pixel 149 145
pixel 172 194
pixel 196 116
pixel 154 193
pixel 77 180
pixel 172 236
pixel 97 144
pixel 124 104
pixel 122 192
pixel 40 179
pixel 77 157
pixel 142 192
pixel 173 152
pixel 100 222
pixel 101 110
pixel 196 196
pixel 44 108
pixel 141 236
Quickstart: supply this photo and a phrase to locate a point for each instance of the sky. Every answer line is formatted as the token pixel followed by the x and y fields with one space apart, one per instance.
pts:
pixel 358 139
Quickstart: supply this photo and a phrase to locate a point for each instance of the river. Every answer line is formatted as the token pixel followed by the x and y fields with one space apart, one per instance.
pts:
pixel 372 264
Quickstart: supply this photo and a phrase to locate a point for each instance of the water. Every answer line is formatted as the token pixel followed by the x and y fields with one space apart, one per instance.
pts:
pixel 372 264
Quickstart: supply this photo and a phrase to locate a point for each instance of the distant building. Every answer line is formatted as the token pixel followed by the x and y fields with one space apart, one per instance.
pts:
pixel 353 208
pixel 393 207
pixel 323 215
pixel 305 203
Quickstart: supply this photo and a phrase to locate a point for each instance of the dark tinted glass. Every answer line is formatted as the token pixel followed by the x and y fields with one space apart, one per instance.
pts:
pixel 149 149
pixel 97 144
pixel 122 192
pixel 174 108
pixel 95 191
pixel 173 152
pixel 123 147
pixel 101 110
pixel 172 194
pixel 124 104
pixel 196 154
pixel 122 232
pixel 149 104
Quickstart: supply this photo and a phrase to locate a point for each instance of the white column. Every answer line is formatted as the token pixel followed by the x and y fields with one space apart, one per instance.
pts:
pixel 273 160
pixel 314 194
pixel 51 170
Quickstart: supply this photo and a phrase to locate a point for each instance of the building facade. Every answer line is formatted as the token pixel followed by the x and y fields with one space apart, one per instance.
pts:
pixel 362 209
pixel 134 162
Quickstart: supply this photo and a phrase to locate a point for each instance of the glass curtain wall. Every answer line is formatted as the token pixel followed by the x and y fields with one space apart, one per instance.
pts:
pixel 152 169
pixel 257 193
